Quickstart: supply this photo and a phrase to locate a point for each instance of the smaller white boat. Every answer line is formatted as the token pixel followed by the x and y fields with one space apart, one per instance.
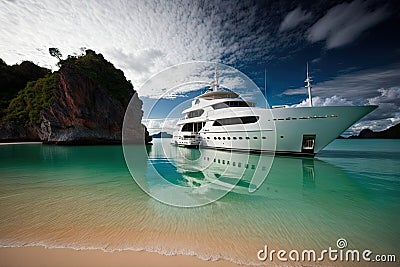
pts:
pixel 186 139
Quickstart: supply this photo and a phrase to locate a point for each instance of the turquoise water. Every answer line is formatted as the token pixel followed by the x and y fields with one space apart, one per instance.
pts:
pixel 84 198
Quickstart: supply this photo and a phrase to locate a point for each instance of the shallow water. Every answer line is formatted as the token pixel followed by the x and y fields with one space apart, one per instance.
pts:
pixel 84 197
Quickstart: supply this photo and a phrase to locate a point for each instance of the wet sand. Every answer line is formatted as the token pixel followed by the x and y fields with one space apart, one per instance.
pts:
pixel 62 257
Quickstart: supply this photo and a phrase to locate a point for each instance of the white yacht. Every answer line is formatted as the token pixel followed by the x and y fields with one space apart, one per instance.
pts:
pixel 221 119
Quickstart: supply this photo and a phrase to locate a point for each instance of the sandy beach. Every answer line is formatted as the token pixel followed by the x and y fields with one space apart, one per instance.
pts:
pixel 20 143
pixel 41 257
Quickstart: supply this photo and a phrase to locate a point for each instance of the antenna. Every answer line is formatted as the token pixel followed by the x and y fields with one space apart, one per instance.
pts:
pixel 214 84
pixel 308 86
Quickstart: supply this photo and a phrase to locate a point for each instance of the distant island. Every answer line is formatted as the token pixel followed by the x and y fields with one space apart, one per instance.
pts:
pixel 84 102
pixel 162 135
pixel 390 133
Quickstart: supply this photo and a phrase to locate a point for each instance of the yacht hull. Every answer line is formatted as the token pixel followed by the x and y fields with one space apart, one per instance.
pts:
pixel 300 131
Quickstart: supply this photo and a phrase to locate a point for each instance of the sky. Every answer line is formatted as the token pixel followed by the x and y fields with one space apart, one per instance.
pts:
pixel 352 47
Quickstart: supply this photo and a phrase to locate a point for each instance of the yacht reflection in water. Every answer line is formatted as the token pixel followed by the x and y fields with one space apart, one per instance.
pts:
pixel 223 168
pixel 246 171
pixel 253 174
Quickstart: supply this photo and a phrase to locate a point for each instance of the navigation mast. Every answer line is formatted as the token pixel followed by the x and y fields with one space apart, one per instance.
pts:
pixel 308 86
pixel 214 83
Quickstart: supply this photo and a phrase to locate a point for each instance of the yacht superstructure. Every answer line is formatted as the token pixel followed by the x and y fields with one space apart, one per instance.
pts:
pixel 221 119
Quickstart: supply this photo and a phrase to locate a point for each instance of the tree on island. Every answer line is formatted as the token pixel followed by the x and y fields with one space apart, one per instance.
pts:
pixel 55 52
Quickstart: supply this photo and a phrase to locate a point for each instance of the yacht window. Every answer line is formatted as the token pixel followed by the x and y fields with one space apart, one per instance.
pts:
pixel 232 104
pixel 247 137
pixel 264 137
pixel 234 138
pixel 192 127
pixel 240 137
pixel 229 138
pixel 223 137
pixel 195 113
pixel 255 137
pixel 236 120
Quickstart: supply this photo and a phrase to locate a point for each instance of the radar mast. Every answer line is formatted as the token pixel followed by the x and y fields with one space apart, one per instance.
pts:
pixel 214 83
pixel 308 86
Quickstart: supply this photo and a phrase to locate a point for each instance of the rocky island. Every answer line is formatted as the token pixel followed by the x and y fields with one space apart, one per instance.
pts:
pixel 162 135
pixel 84 102
pixel 390 133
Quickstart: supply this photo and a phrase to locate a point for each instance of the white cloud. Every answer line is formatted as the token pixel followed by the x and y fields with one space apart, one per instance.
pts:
pixel 161 125
pixel 344 23
pixel 141 61
pixel 388 102
pixel 140 37
pixel 330 101
pixel 293 19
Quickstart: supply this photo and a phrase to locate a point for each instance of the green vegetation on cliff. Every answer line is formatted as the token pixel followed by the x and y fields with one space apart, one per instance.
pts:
pixel 14 78
pixel 36 96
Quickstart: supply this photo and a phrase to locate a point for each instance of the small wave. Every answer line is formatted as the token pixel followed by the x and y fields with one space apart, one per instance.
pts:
pixel 159 250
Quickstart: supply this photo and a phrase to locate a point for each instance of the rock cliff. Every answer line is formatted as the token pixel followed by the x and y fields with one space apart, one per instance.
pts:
pixel 82 103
